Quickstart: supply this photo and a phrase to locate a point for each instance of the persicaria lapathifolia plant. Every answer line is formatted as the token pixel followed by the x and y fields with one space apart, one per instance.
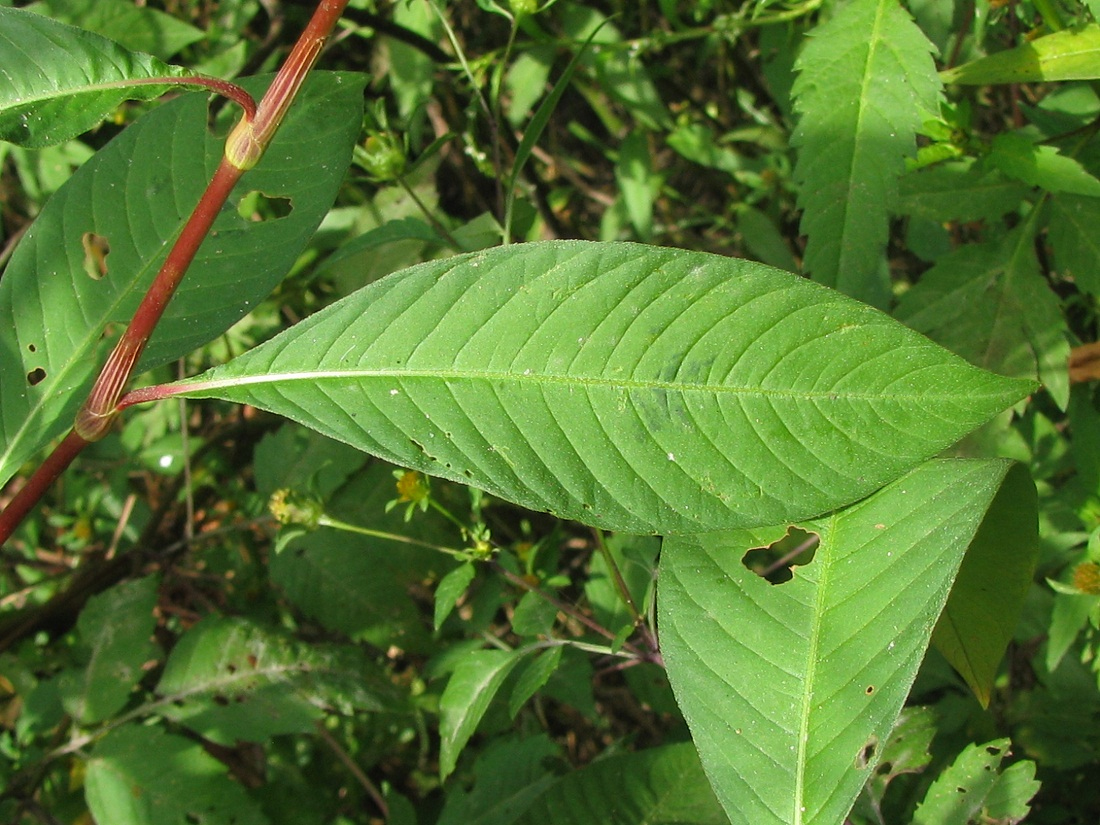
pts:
pixel 436 508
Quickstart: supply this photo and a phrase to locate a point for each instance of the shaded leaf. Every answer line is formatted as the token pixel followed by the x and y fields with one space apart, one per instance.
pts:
pixel 115 641
pixel 866 82
pixel 1072 232
pixel 468 694
pixel 450 590
pixel 358 585
pixel 658 786
pixel 989 303
pixel 230 680
pixel 790 690
pixel 972 789
pixel 1042 166
pixel 985 604
pixel 60 81
pixel 629 387
pixel 136 193
pixel 1070 54
pixel 534 676
pixel 961 191
pixel 907 750
pixel 141 775
pixel 508 774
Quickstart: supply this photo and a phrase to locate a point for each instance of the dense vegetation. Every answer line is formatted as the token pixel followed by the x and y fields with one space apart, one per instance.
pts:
pixel 486 516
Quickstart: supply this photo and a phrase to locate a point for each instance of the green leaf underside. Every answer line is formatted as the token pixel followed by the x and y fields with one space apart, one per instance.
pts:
pixel 658 786
pixel 866 83
pixel 790 689
pixel 137 193
pixel 634 388
pixel 57 81
pixel 1064 55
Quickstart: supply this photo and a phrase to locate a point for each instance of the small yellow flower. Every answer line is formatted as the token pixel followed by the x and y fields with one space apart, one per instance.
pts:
pixel 412 487
pixel 1086 578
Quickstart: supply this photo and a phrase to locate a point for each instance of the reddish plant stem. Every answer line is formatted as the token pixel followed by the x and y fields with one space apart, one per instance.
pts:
pixel 40 481
pixel 245 146
pixel 199 81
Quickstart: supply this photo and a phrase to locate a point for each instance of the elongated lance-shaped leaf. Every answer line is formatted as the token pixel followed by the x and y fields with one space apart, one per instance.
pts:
pixel 83 266
pixel 57 81
pixel 631 387
pixel 791 690
pixel 866 83
pixel 1071 54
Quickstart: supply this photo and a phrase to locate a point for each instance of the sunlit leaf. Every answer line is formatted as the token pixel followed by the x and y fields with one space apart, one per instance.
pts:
pixel 791 689
pixel 59 81
pixel 634 388
pixel 134 196
pixel 866 82
pixel 1070 54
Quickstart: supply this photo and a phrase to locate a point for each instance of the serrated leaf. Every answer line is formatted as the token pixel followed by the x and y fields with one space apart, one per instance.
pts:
pixel 973 789
pixel 60 81
pixel 658 786
pixel 450 590
pixel 985 604
pixel 1072 231
pixel 791 689
pixel 468 694
pixel 866 83
pixel 139 28
pixel 633 388
pixel 961 191
pixel 1070 54
pixel 1042 166
pixel 989 303
pixel 135 195
pixel 230 680
pixel 115 629
pixel 905 751
pixel 143 776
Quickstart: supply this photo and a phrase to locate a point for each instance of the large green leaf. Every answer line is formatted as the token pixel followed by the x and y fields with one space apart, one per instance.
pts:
pixel 790 689
pixel 232 680
pixel 866 83
pixel 59 81
pixel 141 775
pixel 659 786
pixel 631 387
pixel 136 195
pixel 115 641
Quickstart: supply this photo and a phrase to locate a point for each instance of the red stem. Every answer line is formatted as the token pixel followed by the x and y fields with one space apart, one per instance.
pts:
pixel 40 481
pixel 101 407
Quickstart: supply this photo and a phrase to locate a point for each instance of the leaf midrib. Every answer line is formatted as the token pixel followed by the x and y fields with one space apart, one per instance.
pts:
pixel 194 387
